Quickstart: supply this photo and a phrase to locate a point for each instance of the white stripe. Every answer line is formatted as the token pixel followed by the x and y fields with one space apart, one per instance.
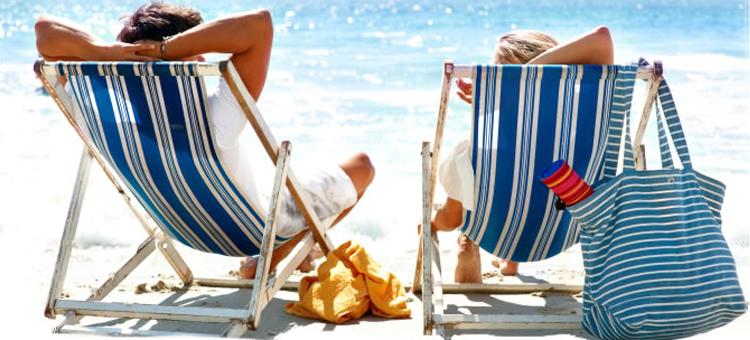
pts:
pixel 534 125
pixel 593 265
pixel 518 153
pixel 227 196
pixel 610 257
pixel 163 136
pixel 481 225
pixel 678 280
pixel 711 307
pixel 135 153
pixel 203 218
pixel 677 300
pixel 542 237
pixel 616 273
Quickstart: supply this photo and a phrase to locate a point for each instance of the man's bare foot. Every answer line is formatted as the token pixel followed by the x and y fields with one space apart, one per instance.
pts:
pixel 469 266
pixel 308 264
pixel 249 265
pixel 316 252
pixel 507 268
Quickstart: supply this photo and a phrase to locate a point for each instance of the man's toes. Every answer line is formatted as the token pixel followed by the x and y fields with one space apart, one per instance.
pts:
pixel 316 252
pixel 248 267
pixel 307 265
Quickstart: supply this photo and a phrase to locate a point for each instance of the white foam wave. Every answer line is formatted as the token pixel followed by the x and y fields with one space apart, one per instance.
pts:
pixel 383 35
pixel 387 122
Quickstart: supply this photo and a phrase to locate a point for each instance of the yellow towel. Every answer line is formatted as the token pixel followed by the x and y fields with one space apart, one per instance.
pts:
pixel 349 283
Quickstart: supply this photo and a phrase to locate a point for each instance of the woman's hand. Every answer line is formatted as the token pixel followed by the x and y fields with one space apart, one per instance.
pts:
pixel 464 90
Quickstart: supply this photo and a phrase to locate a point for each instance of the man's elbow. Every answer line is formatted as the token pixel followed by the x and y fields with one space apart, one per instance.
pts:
pixel 261 24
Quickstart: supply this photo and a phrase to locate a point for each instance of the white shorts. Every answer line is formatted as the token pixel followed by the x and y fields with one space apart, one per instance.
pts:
pixel 330 192
pixel 457 175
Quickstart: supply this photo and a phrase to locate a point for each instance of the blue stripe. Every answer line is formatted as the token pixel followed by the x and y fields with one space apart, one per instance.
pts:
pixel 657 265
pixel 544 155
pixel 160 68
pixel 536 230
pixel 205 211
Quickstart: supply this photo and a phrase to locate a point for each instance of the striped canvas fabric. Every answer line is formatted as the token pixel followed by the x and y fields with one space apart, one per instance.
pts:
pixel 525 118
pixel 150 121
pixel 657 265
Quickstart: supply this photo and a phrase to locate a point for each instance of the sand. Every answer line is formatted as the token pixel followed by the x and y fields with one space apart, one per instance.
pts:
pixel 27 274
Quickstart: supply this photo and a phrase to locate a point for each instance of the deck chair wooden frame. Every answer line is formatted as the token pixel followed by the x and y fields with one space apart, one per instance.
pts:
pixel 264 286
pixel 428 272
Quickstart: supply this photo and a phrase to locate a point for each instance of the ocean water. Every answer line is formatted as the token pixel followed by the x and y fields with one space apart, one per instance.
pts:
pixel 350 76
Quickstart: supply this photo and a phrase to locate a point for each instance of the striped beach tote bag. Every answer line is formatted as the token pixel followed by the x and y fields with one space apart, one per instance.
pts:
pixel 657 265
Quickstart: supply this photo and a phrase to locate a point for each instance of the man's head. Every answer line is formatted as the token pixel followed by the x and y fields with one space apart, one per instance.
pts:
pixel 156 20
pixel 519 47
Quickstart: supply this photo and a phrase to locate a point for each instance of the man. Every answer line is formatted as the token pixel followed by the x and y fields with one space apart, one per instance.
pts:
pixel 162 31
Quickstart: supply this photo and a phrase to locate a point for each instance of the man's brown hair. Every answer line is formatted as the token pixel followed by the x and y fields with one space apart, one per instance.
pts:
pixel 156 20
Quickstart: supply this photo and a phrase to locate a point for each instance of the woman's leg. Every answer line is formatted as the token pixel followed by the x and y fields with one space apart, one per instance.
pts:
pixel 469 264
pixel 507 268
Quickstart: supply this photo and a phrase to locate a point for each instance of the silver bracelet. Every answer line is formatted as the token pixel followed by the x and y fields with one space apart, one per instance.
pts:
pixel 164 47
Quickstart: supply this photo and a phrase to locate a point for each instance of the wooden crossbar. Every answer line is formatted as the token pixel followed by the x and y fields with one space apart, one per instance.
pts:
pixel 528 321
pixel 428 256
pixel 264 287
pixel 144 311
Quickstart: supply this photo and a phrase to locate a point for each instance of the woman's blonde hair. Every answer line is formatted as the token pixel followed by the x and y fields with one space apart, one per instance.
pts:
pixel 519 47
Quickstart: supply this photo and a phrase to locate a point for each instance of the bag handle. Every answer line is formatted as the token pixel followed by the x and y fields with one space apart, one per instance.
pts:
pixel 673 125
pixel 666 101
pixel 666 154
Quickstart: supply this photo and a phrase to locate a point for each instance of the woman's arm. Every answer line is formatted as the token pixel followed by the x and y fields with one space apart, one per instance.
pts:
pixel 60 39
pixel 592 48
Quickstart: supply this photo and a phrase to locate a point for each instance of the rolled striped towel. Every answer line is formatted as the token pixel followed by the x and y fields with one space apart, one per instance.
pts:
pixel 566 183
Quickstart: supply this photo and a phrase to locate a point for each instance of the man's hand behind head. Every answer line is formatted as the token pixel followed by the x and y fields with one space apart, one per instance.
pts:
pixel 146 51
pixel 151 49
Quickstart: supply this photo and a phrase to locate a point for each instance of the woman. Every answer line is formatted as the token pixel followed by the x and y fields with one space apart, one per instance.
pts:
pixel 516 47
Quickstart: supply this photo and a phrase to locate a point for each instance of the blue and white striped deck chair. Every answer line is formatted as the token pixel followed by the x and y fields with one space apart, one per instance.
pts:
pixel 524 118
pixel 149 129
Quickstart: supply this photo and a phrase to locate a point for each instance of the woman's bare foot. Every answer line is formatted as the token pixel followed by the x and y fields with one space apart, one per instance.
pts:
pixel 507 268
pixel 469 266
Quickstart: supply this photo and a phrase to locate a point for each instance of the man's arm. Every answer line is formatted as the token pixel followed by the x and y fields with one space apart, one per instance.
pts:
pixel 247 36
pixel 60 39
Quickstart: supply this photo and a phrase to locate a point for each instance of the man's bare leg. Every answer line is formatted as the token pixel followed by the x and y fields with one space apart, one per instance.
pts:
pixel 361 172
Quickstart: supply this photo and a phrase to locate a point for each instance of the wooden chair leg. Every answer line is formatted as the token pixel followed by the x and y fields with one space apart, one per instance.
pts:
pixel 260 296
pixel 144 250
pixel 426 239
pixel 69 232
pixel 648 106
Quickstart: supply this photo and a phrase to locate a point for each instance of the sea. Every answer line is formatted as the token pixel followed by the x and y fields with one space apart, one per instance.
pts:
pixel 351 76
